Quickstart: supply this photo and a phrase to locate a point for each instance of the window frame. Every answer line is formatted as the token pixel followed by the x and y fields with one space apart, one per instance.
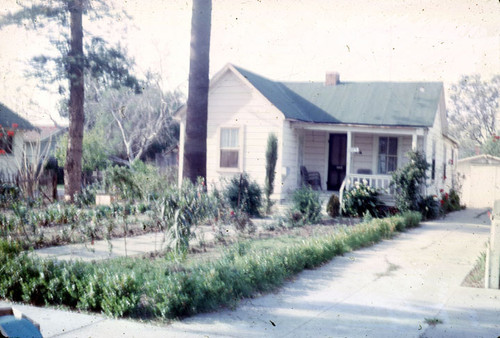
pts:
pixel 238 168
pixel 387 155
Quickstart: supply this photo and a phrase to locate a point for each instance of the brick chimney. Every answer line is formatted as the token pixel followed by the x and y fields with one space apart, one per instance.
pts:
pixel 332 78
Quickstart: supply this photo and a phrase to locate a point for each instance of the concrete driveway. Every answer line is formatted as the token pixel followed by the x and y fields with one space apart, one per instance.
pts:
pixel 386 290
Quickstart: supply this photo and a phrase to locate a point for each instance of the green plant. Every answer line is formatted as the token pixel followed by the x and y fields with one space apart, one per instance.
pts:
pixel 163 288
pixel 243 194
pixel 306 207
pixel 359 200
pixel 429 207
pixel 121 180
pixel 333 206
pixel 271 158
pixel 475 278
pixel 450 201
pixel 409 180
pixel 94 151
pixel 177 210
pixel 148 179
pixel 9 193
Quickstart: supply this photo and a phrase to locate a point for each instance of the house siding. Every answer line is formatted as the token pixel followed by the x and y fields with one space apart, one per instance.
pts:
pixel 366 145
pixel 442 150
pixel 315 156
pixel 9 163
pixel 289 173
pixel 234 104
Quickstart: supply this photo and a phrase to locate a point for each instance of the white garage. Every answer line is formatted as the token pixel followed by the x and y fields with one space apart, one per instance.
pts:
pixel 480 179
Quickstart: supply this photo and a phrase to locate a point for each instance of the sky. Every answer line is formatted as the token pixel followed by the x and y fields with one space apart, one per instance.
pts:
pixel 289 40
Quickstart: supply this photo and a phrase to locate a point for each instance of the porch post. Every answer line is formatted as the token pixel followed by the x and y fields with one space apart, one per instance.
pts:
pixel 414 142
pixel 348 154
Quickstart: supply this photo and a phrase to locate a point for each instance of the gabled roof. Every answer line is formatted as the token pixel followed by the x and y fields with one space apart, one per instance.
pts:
pixel 481 159
pixel 8 118
pixel 404 104
pixel 366 103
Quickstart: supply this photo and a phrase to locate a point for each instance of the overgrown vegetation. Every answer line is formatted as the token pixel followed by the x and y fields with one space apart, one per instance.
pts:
pixel 306 208
pixel 450 201
pixel 409 181
pixel 159 288
pixel 361 199
pixel 244 195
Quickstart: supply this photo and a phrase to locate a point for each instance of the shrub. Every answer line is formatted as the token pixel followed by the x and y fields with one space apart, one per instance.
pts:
pixel 450 201
pixel 243 194
pixel 333 206
pixel 271 158
pixel 360 199
pixel 121 180
pixel 9 194
pixel 306 208
pixel 409 181
pixel 429 207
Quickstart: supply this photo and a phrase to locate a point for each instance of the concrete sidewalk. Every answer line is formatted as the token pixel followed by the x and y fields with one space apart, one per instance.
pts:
pixel 388 289
pixel 117 247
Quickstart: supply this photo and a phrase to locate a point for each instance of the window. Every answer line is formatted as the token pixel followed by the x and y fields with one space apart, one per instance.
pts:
pixel 387 154
pixel 229 148
pixel 433 164
pixel 6 142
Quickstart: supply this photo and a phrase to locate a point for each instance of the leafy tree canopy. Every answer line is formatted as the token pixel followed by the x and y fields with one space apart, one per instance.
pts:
pixel 109 65
pixel 474 105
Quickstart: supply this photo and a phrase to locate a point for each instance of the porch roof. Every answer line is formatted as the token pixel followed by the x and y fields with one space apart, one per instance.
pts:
pixel 406 104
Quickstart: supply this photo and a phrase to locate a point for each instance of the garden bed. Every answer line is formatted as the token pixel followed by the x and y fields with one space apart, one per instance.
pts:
pixel 177 285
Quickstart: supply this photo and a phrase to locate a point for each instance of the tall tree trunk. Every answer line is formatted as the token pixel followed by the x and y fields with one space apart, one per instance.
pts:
pixel 73 166
pixel 195 145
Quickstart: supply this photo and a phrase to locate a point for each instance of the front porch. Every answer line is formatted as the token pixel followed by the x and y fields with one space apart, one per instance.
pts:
pixel 344 155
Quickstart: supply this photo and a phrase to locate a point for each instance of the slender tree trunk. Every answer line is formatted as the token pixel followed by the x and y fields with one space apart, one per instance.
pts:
pixel 73 166
pixel 195 145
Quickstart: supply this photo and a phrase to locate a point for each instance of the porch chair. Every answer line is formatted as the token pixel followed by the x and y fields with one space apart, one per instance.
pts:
pixel 311 178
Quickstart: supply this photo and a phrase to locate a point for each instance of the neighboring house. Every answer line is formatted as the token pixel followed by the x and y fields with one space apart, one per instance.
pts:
pixel 346 131
pixel 11 143
pixel 40 144
pixel 168 158
pixel 479 177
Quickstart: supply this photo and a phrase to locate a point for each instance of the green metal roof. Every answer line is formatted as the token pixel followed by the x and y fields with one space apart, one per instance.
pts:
pixel 411 104
pixel 8 118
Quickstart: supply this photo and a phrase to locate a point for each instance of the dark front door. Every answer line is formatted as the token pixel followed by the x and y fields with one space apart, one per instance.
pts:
pixel 336 161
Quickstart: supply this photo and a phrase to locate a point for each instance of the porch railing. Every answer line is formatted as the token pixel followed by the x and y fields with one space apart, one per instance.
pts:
pixel 380 182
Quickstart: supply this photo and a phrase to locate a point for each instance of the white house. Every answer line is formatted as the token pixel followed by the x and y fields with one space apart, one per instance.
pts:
pixel 12 129
pixel 346 131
